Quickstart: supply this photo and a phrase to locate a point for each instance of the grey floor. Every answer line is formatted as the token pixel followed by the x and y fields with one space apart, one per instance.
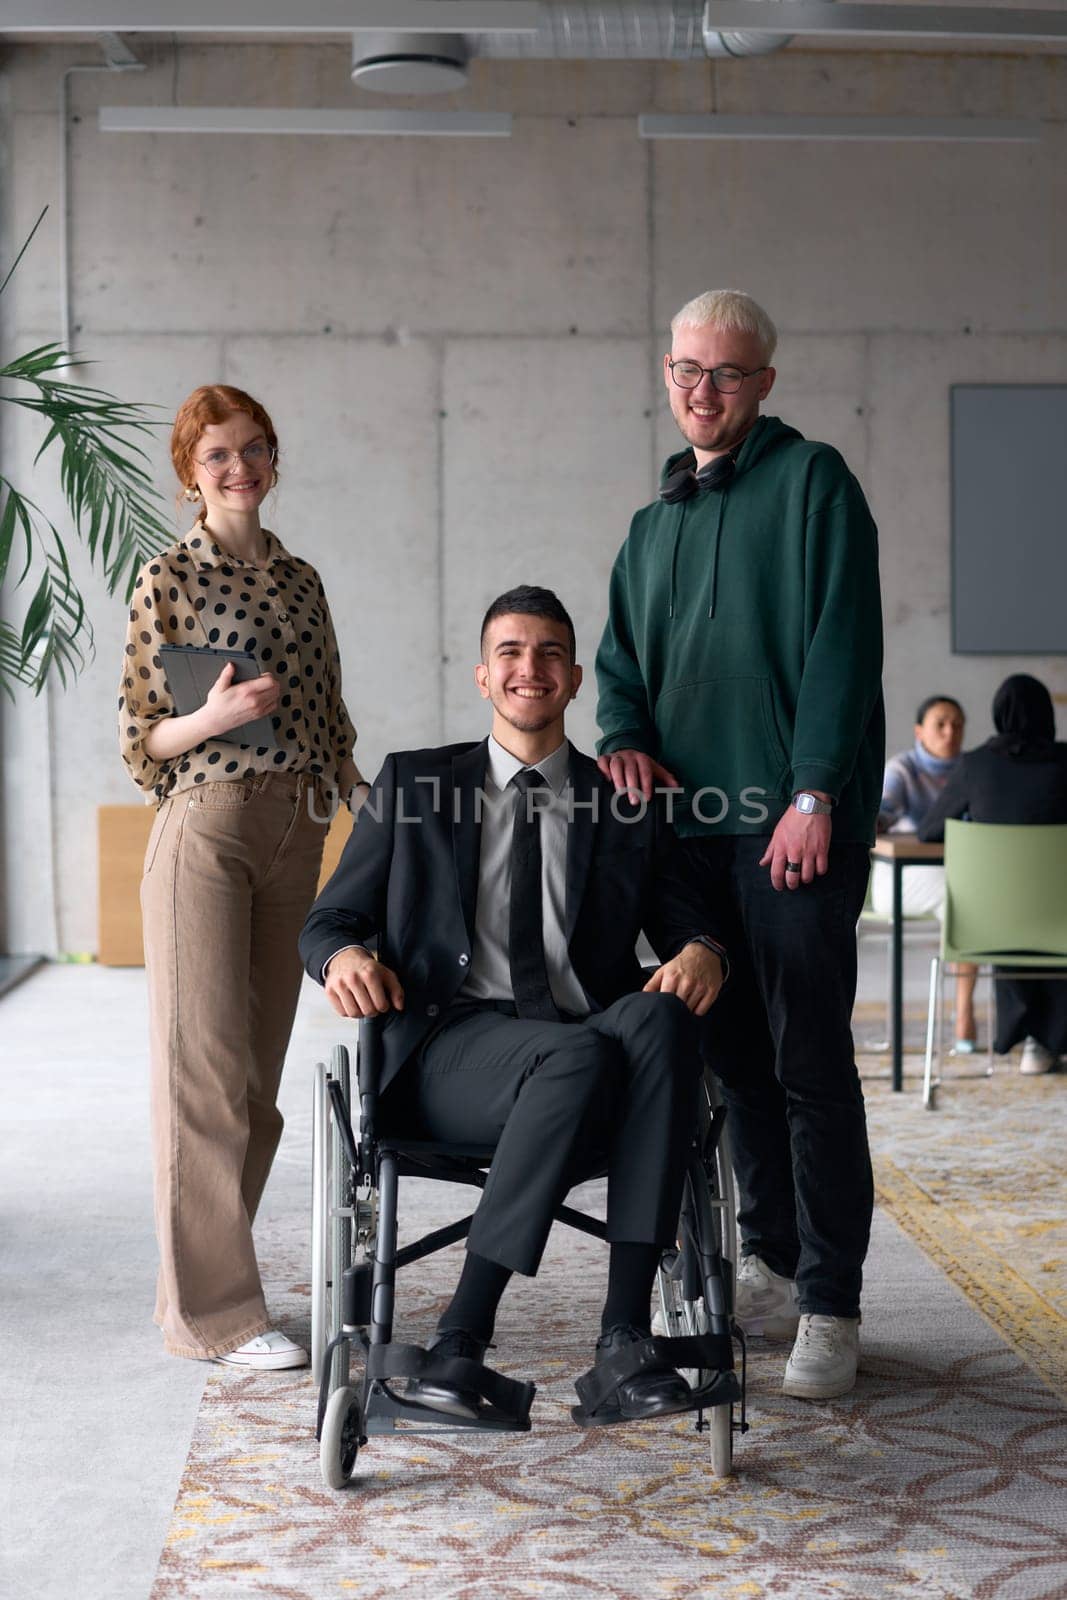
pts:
pixel 96 1421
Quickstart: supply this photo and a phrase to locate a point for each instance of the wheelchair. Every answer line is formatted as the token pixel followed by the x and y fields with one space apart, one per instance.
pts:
pixel 355 1259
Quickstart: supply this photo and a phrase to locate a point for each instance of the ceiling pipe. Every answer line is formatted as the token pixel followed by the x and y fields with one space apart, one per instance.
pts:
pixel 118 57
pixel 635 30
pixel 740 43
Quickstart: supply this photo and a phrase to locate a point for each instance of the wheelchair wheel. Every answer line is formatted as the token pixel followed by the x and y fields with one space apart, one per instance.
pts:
pixel 342 1435
pixel 679 1318
pixel 721 1424
pixel 722 1188
pixel 682 1318
pixel 712 1215
pixel 708 1219
pixel 331 1228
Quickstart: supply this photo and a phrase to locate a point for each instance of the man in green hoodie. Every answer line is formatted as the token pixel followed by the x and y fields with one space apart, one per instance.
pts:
pixel 741 668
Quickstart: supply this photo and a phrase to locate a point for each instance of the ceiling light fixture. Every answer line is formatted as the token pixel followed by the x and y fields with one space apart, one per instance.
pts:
pixel 840 18
pixel 260 119
pixel 269 16
pixel 409 63
pixel 898 129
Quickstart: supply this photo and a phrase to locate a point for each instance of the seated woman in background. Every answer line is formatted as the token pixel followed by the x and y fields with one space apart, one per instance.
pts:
pixel 1020 775
pixel 913 780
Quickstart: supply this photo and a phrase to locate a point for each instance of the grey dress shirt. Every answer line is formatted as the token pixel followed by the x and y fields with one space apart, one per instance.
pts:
pixel 489 975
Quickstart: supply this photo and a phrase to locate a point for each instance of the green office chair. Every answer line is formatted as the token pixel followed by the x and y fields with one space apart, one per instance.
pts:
pixel 1005 906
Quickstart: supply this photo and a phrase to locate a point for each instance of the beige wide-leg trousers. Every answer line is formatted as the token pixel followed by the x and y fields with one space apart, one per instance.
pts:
pixel 230 872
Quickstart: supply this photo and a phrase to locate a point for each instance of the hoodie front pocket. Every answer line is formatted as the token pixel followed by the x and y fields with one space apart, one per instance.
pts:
pixel 723 734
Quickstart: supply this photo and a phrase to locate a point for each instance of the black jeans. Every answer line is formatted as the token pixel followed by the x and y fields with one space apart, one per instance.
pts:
pixel 622 1081
pixel 779 1039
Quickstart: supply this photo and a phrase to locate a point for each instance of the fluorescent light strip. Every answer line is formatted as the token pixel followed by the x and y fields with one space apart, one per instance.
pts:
pixel 258 119
pixel 828 18
pixel 269 16
pixel 962 129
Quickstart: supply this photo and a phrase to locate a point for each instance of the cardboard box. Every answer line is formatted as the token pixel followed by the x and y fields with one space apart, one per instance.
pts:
pixel 122 836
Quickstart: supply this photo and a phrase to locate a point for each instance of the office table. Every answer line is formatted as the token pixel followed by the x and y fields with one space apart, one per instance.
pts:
pixel 901 850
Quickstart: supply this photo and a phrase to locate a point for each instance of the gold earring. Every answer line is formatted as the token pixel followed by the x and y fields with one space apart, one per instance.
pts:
pixel 192 493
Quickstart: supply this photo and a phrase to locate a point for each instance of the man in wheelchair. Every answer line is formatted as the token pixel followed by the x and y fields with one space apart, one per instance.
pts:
pixel 507 885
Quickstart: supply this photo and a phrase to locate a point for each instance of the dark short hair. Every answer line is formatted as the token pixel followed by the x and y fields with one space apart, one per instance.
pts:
pixel 1023 713
pixel 527 600
pixel 936 700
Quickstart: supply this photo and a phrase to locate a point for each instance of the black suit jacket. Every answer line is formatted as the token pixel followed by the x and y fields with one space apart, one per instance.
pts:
pixel 409 877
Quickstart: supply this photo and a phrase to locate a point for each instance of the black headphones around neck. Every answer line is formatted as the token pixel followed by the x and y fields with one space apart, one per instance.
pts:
pixel 684 482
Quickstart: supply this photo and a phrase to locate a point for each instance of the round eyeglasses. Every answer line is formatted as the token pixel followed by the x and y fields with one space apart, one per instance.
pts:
pixel 726 380
pixel 258 455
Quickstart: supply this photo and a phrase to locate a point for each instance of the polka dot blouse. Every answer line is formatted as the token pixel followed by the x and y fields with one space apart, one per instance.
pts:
pixel 197 594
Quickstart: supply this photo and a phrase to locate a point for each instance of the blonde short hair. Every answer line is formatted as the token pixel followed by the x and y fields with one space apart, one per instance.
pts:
pixel 732 311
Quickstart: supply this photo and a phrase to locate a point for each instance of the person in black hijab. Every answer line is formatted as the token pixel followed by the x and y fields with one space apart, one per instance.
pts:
pixel 1018 776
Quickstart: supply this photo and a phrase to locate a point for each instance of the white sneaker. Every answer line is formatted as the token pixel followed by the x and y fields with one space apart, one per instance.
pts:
pixel 1036 1058
pixel 823 1363
pixel 265 1353
pixel 766 1305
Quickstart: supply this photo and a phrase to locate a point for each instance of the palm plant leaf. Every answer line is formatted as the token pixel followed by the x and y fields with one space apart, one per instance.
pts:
pixel 116 512
pixel 25 246
pixel 12 668
pixel 16 514
pixel 51 627
pixel 102 469
pixel 55 633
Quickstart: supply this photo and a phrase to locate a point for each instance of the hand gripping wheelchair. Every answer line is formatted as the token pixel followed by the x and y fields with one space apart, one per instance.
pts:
pixel 355 1257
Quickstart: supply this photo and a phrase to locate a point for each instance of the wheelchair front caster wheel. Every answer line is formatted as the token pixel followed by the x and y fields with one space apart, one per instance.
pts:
pixel 721 1427
pixel 342 1435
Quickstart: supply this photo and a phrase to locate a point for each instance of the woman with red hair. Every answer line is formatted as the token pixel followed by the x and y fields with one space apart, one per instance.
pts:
pixel 232 863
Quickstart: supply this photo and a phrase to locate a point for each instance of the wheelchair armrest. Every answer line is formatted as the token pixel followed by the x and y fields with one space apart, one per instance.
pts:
pixel 369 1076
pixel 370 1056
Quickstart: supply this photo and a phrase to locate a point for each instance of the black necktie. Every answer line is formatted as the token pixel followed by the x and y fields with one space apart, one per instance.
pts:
pixel 526 940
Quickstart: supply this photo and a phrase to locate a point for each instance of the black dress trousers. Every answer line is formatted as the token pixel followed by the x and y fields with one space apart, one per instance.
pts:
pixel 551 1095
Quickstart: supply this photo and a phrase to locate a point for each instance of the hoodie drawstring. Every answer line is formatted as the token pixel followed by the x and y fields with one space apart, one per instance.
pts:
pixel 675 541
pixel 716 539
pixel 715 543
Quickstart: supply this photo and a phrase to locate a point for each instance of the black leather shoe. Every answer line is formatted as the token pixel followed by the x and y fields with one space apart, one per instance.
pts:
pixel 438 1393
pixel 650 1393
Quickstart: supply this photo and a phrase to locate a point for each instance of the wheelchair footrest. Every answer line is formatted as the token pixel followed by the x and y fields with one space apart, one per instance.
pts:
pixel 507 1402
pixel 598 1388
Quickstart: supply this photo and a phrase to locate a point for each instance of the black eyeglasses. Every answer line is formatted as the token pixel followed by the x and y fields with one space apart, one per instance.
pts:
pixel 726 380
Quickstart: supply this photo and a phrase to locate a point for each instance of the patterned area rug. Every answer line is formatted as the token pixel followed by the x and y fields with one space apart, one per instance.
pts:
pixel 981 1185
pixel 944 1476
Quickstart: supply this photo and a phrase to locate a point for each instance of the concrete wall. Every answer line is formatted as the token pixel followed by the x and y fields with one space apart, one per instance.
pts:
pixel 459 342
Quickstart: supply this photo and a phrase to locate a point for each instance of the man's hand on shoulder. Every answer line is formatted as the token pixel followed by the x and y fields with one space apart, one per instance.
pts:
pixel 695 976
pixel 636 772
pixel 358 986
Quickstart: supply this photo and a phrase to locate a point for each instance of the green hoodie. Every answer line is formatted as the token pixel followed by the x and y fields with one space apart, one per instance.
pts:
pixel 743 647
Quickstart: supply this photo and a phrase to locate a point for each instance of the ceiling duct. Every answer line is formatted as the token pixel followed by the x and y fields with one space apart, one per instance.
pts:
pixel 569 30
pixel 736 43
pixel 630 30
pixel 409 63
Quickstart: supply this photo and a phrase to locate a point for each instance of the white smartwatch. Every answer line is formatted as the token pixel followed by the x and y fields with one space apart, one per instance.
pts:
pixel 811 805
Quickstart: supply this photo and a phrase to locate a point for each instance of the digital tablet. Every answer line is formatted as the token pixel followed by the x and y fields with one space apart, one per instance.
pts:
pixel 191 673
